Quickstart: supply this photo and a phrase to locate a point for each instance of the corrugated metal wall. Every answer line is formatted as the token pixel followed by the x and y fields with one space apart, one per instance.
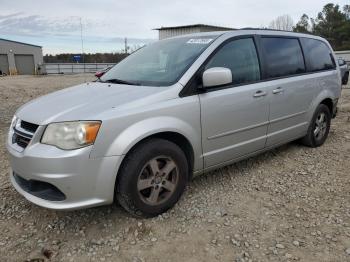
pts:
pixel 25 64
pixel 166 33
pixel 344 54
pixel 175 31
pixel 4 64
pixel 10 49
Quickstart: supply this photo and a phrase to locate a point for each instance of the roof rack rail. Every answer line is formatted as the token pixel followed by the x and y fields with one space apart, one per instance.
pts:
pixel 264 29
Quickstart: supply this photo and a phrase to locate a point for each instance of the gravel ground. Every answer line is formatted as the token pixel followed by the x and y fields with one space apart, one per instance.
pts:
pixel 289 204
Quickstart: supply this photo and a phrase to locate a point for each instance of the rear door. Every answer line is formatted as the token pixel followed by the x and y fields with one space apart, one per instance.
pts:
pixel 234 117
pixel 290 90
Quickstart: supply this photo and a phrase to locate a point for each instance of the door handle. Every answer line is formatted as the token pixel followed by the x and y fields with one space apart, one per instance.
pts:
pixel 277 90
pixel 259 93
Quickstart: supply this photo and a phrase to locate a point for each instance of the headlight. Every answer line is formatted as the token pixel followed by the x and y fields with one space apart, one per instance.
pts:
pixel 71 135
pixel 13 123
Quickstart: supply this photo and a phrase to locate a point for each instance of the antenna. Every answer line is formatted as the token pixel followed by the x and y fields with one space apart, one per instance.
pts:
pixel 82 46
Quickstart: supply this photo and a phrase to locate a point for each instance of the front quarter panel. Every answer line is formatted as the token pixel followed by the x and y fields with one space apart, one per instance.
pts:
pixel 119 133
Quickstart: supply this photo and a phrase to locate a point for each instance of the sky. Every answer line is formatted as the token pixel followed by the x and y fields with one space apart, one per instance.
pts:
pixel 55 25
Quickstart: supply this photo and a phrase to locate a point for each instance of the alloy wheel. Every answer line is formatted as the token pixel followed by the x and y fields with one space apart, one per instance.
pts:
pixel 320 126
pixel 158 180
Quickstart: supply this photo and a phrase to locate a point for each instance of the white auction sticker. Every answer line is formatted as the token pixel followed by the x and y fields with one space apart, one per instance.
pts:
pixel 201 41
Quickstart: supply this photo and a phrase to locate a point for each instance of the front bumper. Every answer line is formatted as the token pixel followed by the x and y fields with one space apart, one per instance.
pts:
pixel 84 181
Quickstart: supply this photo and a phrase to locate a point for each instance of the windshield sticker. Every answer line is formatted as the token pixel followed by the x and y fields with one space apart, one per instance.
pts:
pixel 201 41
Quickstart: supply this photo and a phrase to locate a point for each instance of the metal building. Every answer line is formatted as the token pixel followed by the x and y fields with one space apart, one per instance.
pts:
pixel 344 55
pixel 20 58
pixel 166 32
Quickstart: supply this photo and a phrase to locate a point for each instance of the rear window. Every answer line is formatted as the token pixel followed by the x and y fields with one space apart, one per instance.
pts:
pixel 318 55
pixel 283 56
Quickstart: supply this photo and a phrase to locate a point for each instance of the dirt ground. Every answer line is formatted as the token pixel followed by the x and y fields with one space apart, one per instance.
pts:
pixel 289 204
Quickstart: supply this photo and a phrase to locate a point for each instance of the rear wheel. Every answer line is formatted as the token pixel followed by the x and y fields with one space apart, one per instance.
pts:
pixel 152 178
pixel 345 78
pixel 319 127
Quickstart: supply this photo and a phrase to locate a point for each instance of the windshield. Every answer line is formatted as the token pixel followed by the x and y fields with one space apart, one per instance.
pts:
pixel 159 64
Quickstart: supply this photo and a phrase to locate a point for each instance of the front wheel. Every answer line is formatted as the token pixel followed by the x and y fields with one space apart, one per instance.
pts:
pixel 319 127
pixel 152 178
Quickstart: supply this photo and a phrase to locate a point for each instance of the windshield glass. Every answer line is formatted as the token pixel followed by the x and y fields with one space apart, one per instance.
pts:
pixel 159 64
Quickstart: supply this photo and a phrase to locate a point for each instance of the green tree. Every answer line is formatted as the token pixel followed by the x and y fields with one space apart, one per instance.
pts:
pixel 346 9
pixel 304 25
pixel 333 25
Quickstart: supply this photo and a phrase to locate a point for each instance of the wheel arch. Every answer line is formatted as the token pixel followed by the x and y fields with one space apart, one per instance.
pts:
pixel 179 139
pixel 329 103
pixel 183 134
pixel 175 137
pixel 325 97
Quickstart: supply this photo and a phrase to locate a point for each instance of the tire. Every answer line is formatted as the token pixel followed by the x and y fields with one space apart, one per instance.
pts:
pixel 345 78
pixel 314 138
pixel 145 186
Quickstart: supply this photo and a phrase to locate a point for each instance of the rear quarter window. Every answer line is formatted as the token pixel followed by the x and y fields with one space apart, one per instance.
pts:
pixel 318 55
pixel 283 56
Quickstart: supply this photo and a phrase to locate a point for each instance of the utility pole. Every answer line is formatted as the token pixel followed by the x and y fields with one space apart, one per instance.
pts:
pixel 82 46
pixel 81 37
pixel 125 45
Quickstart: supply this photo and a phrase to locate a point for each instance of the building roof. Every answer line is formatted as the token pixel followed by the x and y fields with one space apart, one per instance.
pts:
pixel 2 39
pixel 194 25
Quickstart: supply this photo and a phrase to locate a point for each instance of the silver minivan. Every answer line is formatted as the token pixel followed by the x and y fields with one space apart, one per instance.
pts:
pixel 172 110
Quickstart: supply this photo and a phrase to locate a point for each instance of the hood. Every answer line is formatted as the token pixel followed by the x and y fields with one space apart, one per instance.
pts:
pixel 85 101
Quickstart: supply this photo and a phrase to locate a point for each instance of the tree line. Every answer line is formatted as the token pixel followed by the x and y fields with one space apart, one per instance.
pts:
pixel 86 58
pixel 332 23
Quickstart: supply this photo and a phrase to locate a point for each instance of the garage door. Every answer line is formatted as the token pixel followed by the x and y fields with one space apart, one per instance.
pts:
pixel 25 64
pixel 4 64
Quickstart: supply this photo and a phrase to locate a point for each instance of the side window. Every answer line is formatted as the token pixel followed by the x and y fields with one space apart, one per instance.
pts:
pixel 318 55
pixel 283 56
pixel 241 57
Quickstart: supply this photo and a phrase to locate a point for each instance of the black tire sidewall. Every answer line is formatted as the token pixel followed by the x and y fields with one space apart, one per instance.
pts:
pixel 127 179
pixel 320 109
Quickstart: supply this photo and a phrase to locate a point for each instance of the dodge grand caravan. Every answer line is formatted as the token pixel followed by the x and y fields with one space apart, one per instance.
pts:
pixel 173 109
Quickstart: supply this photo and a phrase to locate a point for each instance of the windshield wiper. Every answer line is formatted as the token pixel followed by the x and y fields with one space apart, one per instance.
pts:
pixel 119 81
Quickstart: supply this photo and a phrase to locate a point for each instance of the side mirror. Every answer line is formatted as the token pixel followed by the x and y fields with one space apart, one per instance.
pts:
pixel 216 76
pixel 98 74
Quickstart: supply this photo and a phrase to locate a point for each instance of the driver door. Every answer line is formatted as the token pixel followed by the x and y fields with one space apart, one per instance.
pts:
pixel 235 116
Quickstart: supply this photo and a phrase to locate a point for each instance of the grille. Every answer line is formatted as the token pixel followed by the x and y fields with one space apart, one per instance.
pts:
pixel 23 133
pixel 29 126
pixel 20 140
